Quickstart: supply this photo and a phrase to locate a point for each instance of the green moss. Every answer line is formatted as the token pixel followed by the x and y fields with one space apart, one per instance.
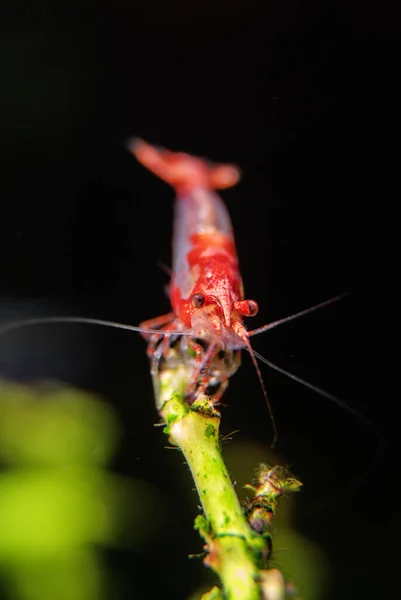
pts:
pixel 202 525
pixel 205 407
pixel 210 430
pixel 173 411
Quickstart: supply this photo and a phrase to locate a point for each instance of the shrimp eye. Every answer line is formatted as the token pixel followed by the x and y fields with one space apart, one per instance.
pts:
pixel 253 308
pixel 246 308
pixel 198 300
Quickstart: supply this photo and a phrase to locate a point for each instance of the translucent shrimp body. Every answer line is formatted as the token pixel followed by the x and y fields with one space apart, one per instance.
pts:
pixel 206 288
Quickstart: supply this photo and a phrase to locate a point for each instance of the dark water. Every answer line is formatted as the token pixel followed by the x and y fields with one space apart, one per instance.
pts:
pixel 302 97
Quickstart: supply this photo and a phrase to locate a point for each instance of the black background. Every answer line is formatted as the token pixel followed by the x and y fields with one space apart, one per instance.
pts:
pixel 301 96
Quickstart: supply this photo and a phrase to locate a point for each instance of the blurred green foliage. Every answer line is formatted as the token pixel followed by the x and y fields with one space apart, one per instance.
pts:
pixel 58 504
pixel 52 425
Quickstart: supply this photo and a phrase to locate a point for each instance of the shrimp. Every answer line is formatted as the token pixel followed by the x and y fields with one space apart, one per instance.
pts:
pixel 206 288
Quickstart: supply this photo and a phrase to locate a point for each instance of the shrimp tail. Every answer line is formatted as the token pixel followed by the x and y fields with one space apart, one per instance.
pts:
pixel 182 171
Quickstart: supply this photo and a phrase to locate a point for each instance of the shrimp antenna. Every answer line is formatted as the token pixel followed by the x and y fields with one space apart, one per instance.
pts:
pixel 316 389
pixel 361 418
pixel 114 324
pixel 297 315
pixel 253 355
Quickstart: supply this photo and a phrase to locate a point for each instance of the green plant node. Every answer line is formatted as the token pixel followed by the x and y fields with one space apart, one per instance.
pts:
pixel 292 485
pixel 173 411
pixel 203 526
pixel 268 502
pixel 205 407
pixel 256 544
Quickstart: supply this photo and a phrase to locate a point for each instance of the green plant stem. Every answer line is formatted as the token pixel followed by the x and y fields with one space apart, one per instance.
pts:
pixel 237 542
pixel 234 549
pixel 196 435
pixel 232 544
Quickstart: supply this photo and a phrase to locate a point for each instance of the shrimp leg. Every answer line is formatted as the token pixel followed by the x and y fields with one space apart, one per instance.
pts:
pixel 163 323
pixel 157 322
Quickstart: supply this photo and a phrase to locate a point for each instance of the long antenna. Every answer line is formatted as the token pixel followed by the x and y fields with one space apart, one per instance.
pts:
pixel 262 385
pixel 316 389
pixel 297 315
pixel 116 325
pixel 380 442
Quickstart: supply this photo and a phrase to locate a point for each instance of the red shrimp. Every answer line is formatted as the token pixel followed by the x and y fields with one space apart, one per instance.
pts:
pixel 206 289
